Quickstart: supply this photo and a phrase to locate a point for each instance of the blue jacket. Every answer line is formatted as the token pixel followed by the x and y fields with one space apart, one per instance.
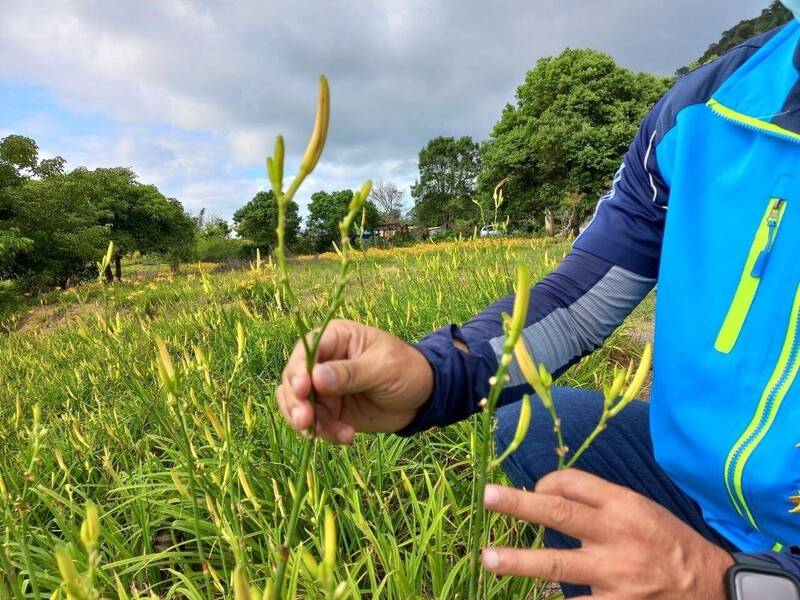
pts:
pixel 707 203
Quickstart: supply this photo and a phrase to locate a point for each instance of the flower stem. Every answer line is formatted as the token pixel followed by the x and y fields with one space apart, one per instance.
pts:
pixel 299 495
pixel 513 327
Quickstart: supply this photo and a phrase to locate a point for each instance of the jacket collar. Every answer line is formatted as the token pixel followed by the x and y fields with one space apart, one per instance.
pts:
pixel 764 92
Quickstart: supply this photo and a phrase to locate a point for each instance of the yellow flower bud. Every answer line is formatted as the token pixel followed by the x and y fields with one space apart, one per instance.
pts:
pixel 612 393
pixel 275 164
pixel 545 376
pixel 176 480
pixel 638 379
pixel 523 424
pixel 529 368
pixel 166 370
pixel 340 590
pixel 90 529
pixel 320 132
pixel 60 461
pixel 214 421
pixel 523 291
pixel 247 489
pixel 269 590
pixel 309 562
pixel 69 574
pixel 241 585
pixel 240 340
pixel 329 559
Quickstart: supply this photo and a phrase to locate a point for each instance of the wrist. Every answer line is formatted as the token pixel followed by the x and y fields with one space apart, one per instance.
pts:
pixel 716 566
pixel 754 577
pixel 422 378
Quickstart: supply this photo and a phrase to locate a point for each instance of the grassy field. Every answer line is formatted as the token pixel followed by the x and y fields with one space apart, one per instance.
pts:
pixel 84 417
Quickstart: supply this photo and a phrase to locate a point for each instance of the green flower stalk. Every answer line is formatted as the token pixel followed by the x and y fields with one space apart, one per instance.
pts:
pixel 513 326
pixel 309 339
pixel 613 403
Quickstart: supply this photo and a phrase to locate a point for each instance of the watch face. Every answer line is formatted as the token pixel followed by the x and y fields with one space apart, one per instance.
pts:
pixel 755 586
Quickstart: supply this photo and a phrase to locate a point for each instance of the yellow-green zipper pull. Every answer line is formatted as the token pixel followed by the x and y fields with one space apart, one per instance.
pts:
pixel 772 224
pixel 754 269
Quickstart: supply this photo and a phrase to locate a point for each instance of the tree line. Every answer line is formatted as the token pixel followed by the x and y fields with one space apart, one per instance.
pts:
pixel 55 224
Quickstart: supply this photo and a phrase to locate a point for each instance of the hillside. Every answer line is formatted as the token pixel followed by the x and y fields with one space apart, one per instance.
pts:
pixel 773 16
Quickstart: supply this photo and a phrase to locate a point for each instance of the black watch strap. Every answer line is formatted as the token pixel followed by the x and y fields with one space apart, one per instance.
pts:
pixel 753 578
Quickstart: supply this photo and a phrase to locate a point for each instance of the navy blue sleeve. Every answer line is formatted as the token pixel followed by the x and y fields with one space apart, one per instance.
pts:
pixel 611 268
pixel 461 378
pixel 628 223
pixel 788 560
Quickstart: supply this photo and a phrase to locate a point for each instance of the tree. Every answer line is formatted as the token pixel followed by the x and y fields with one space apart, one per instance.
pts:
pixel 448 168
pixel 562 140
pixel 54 225
pixel 19 157
pixel 256 221
pixel 215 227
pixel 138 217
pixel 771 17
pixel 19 160
pixel 174 233
pixel 325 212
pixel 50 167
pixel 59 217
pixel 388 199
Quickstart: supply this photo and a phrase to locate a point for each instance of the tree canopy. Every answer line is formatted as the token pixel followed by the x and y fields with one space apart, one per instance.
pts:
pixel 448 168
pixel 54 225
pixel 256 221
pixel 562 140
pixel 325 212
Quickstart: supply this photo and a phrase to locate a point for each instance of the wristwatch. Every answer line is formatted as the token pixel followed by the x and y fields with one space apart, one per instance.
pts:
pixel 754 579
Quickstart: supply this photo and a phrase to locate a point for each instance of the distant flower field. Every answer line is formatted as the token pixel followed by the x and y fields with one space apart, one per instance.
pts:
pixel 86 421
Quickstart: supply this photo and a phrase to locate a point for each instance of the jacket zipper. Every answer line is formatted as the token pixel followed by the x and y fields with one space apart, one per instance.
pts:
pixel 752 123
pixel 779 383
pixel 754 268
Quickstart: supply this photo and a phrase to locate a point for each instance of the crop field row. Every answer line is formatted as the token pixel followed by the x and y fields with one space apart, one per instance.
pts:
pixel 188 486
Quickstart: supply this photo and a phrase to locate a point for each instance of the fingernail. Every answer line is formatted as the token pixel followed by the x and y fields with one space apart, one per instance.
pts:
pixel 326 374
pixel 491 496
pixel 296 382
pixel 490 559
pixel 293 414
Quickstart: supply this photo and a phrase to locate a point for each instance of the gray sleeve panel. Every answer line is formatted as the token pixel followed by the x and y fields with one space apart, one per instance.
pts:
pixel 572 332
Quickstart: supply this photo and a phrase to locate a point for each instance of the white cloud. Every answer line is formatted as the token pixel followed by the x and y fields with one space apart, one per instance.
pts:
pixel 197 90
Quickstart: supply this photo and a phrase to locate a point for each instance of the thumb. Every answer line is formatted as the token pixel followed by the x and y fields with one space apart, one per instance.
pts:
pixel 341 377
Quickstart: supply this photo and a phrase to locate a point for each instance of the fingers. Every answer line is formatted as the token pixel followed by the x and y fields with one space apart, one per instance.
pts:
pixel 565 566
pixel 330 428
pixel 292 394
pixel 335 344
pixel 343 377
pixel 578 486
pixel 297 413
pixel 572 518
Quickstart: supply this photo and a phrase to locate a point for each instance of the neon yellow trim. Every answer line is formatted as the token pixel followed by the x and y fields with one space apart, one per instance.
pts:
pixel 777 547
pixel 746 290
pixel 749 440
pixel 751 121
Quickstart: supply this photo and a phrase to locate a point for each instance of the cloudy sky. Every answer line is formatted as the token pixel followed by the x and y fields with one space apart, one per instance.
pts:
pixel 191 93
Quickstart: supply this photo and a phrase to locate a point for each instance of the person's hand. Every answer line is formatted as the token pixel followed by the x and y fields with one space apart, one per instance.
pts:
pixel 631 548
pixel 365 380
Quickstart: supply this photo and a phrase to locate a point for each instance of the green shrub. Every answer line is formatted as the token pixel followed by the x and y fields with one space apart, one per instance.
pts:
pixel 218 249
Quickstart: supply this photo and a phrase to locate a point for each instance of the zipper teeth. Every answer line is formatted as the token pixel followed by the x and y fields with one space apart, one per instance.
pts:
pixel 750 126
pixel 772 397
